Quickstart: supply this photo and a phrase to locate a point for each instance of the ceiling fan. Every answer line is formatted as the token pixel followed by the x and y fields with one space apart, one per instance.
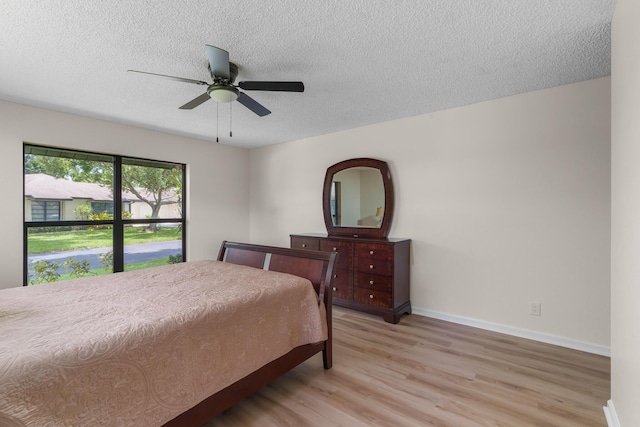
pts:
pixel 222 89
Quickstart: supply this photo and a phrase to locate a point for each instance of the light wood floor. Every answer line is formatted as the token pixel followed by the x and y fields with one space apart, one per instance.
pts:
pixel 424 372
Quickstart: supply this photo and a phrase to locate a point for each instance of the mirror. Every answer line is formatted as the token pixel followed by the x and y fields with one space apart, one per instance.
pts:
pixel 358 198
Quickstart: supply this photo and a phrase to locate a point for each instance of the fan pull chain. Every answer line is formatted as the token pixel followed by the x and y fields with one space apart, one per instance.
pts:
pixel 217 140
pixel 230 120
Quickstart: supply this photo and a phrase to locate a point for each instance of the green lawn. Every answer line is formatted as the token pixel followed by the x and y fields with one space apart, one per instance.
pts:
pixel 69 240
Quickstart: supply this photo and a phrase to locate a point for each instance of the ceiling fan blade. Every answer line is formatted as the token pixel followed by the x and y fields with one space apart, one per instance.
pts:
pixel 180 79
pixel 196 101
pixel 218 61
pixel 252 104
pixel 273 86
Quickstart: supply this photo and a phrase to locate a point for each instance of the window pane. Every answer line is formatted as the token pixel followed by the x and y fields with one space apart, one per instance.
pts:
pixel 65 252
pixel 102 207
pixel 61 187
pixel 37 211
pixel 151 245
pixel 151 190
pixel 52 211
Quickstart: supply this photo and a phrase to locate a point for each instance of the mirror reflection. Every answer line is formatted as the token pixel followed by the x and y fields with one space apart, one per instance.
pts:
pixel 357 198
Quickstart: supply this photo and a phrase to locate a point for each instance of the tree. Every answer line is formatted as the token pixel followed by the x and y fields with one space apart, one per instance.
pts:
pixel 153 185
pixel 71 169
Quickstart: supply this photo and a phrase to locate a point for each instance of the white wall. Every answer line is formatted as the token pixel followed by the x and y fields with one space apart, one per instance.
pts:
pixel 506 202
pixel 625 213
pixel 217 176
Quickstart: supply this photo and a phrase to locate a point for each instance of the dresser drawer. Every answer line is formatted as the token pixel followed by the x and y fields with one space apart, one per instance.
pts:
pixel 371 297
pixel 370 275
pixel 342 286
pixel 373 252
pixel 376 259
pixel 374 282
pixel 344 250
pixel 305 243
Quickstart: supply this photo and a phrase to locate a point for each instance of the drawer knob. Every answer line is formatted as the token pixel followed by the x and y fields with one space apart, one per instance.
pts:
pixel 335 275
pixel 304 245
pixel 371 267
pixel 334 288
pixel 371 296
pixel 370 252
pixel 371 282
pixel 335 249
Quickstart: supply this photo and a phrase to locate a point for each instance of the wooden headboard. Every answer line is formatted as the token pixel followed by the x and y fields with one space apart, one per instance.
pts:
pixel 313 265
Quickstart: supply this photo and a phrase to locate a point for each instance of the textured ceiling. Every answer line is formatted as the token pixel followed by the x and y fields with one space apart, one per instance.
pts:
pixel 362 62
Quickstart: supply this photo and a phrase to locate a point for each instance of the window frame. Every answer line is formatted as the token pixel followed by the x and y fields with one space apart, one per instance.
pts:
pixel 118 223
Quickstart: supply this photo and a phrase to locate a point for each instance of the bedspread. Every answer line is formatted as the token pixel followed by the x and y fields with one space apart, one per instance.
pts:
pixel 139 348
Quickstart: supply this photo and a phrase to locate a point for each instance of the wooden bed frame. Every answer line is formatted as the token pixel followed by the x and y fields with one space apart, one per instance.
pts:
pixel 315 266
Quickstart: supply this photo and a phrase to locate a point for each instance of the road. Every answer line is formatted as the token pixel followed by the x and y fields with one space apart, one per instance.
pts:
pixel 132 253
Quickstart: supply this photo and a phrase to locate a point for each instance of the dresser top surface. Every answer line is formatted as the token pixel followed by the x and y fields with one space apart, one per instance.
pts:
pixel 352 238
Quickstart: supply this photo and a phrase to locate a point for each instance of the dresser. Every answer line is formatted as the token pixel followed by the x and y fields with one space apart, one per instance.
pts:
pixel 372 274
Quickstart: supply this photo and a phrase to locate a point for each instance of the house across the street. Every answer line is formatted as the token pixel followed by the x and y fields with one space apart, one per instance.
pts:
pixel 54 199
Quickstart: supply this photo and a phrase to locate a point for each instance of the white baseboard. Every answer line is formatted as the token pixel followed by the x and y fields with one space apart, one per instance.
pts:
pixel 610 414
pixel 518 332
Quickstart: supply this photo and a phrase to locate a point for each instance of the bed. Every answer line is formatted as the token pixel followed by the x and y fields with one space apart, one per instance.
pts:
pixel 169 346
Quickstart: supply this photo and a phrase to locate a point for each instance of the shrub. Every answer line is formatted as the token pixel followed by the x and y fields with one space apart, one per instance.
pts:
pixel 44 272
pixel 77 268
pixel 106 259
pixel 175 259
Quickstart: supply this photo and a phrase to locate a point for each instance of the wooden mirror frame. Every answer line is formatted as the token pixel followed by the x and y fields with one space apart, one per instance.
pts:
pixel 364 232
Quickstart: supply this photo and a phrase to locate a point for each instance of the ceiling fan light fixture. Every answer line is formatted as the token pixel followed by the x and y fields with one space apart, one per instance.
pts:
pixel 222 90
pixel 223 94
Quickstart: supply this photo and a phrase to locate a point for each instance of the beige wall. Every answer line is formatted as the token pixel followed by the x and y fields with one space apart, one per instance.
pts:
pixel 625 213
pixel 506 202
pixel 217 176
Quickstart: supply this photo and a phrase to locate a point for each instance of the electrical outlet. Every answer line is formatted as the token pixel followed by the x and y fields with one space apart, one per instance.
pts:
pixel 535 309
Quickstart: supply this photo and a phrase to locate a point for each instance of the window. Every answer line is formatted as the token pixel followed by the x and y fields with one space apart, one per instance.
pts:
pixel 99 207
pixel 88 213
pixel 45 211
pixel 107 207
